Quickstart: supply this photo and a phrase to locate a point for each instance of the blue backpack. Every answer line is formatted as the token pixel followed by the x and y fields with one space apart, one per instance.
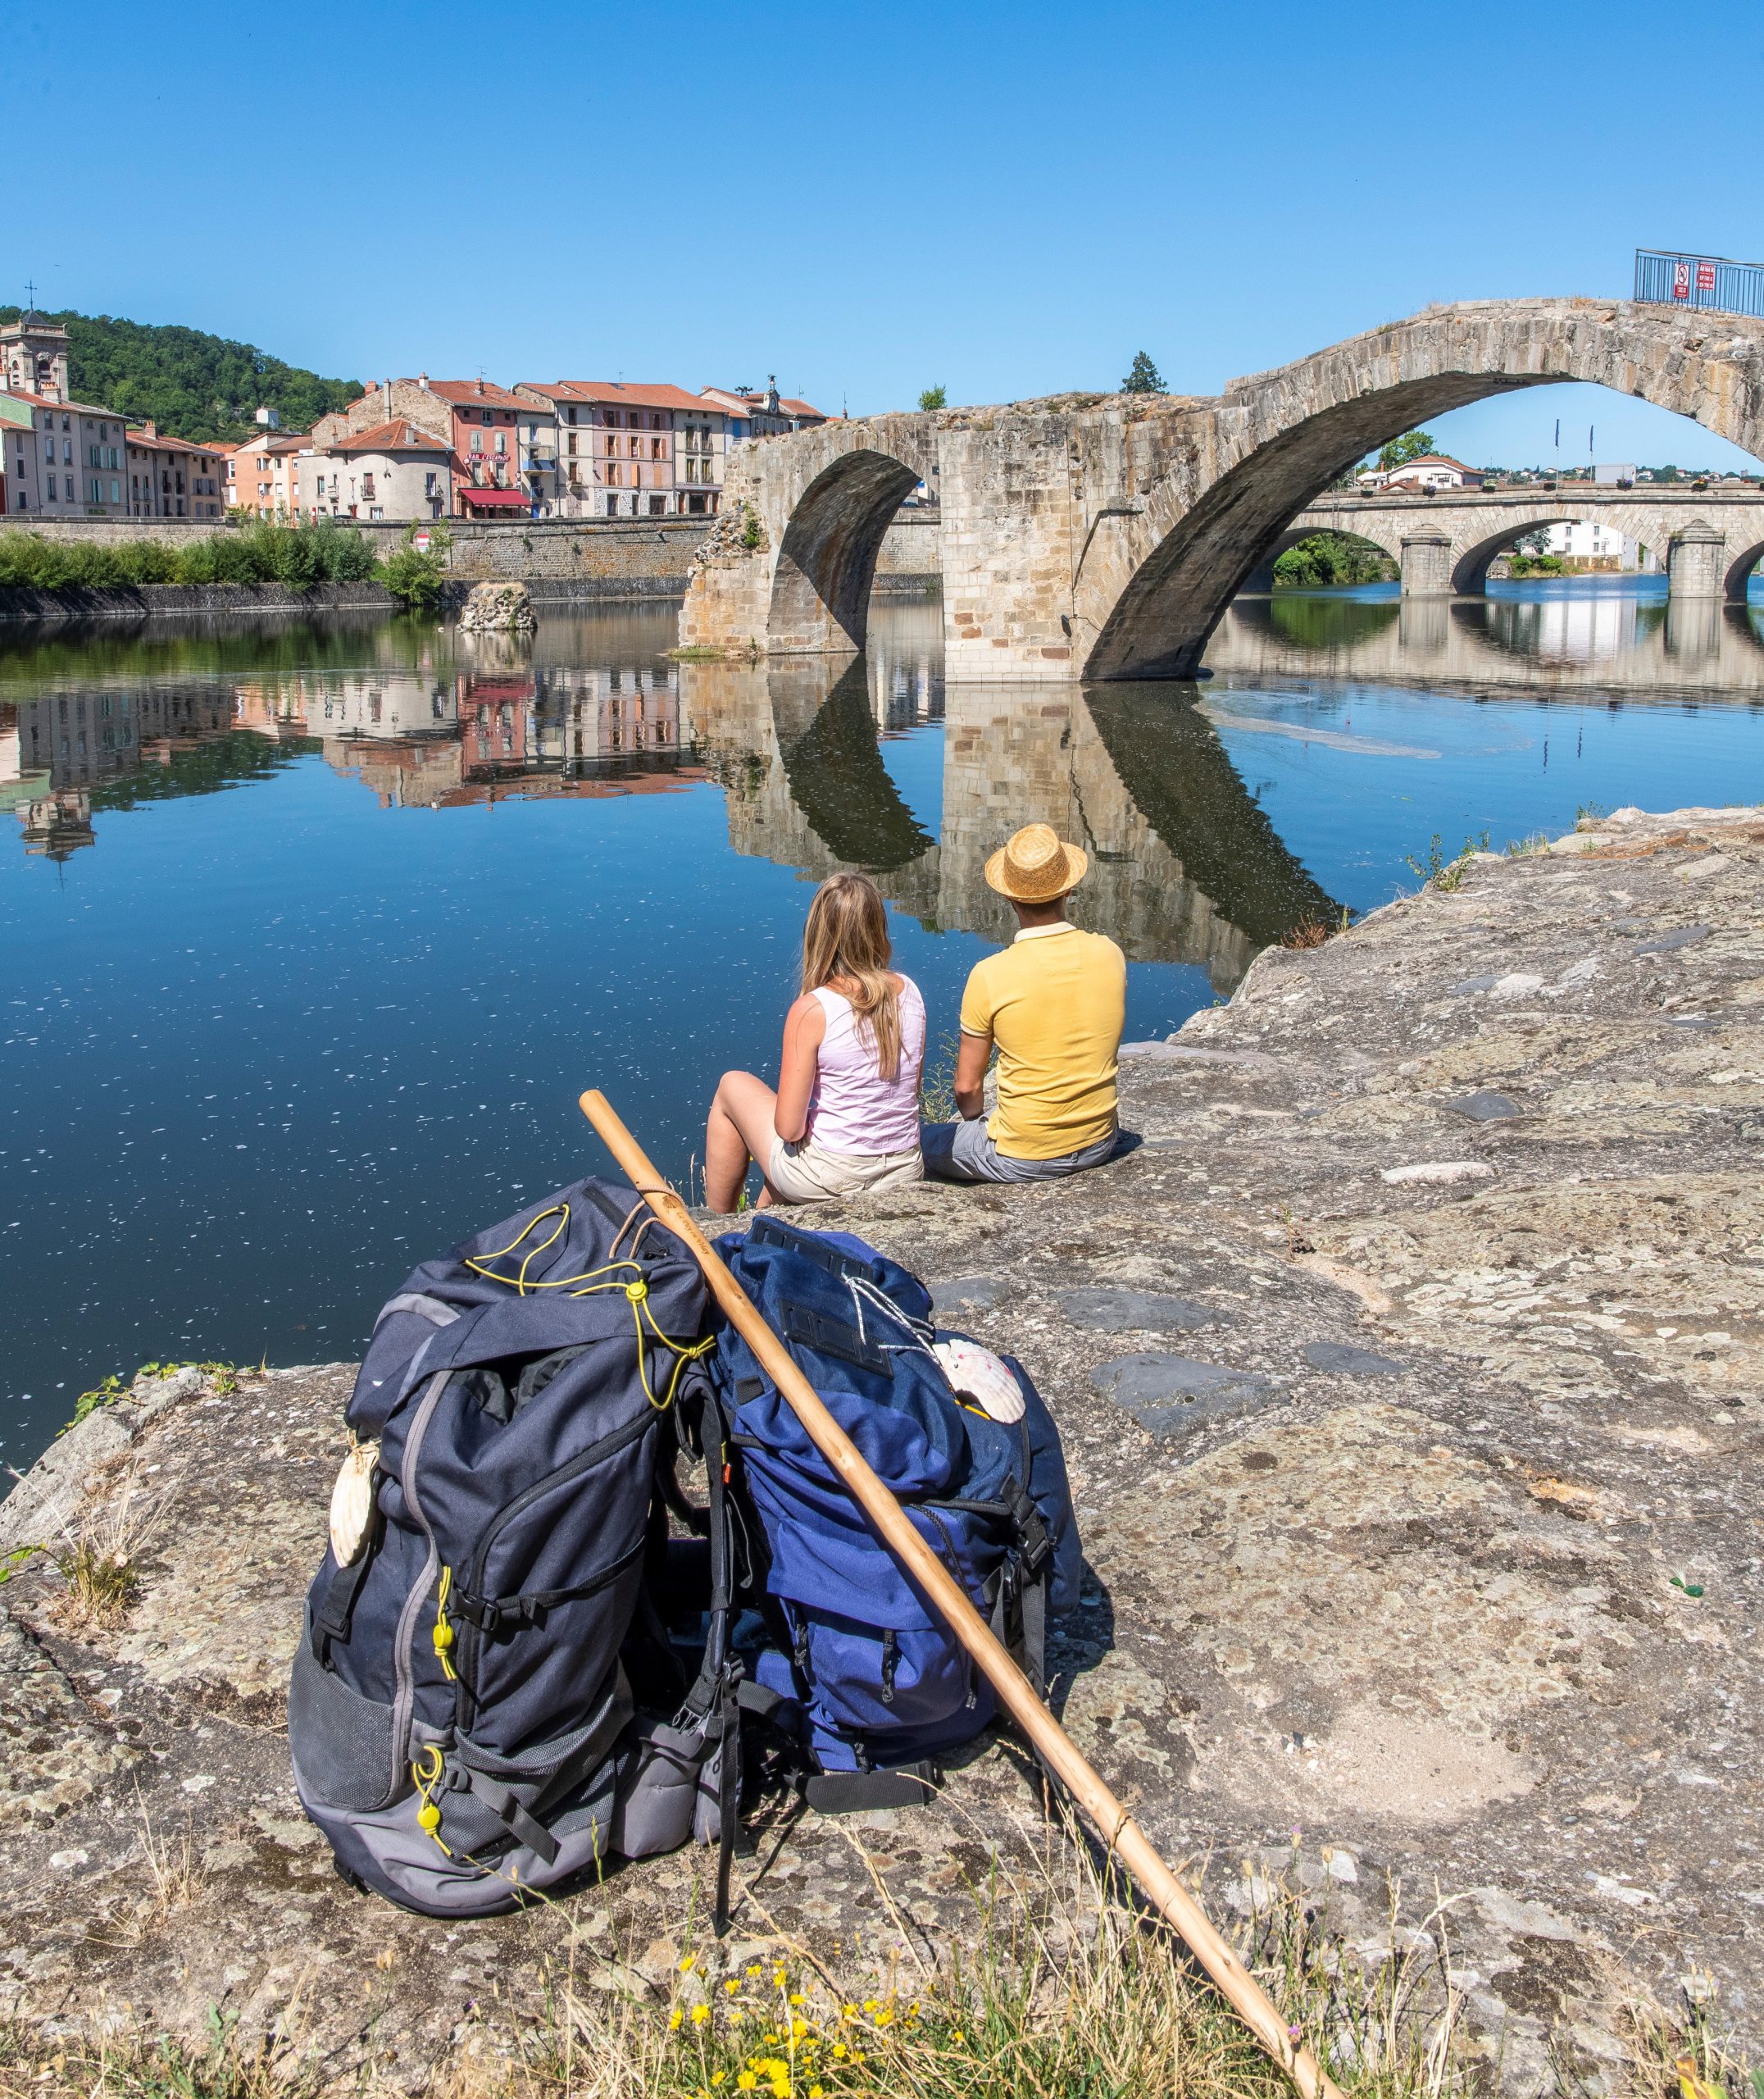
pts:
pixel 873 1684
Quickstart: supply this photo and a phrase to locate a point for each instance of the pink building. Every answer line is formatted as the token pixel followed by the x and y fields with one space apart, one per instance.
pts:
pixel 633 451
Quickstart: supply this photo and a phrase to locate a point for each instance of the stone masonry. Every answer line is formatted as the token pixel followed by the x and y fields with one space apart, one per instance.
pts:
pixel 1104 535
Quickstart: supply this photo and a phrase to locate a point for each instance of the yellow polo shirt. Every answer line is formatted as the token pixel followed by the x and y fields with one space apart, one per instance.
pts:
pixel 1054 1001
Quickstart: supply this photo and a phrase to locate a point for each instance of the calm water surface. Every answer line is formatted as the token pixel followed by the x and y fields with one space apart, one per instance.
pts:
pixel 313 935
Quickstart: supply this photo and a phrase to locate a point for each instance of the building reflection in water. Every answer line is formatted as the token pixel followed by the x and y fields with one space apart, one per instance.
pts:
pixel 1186 867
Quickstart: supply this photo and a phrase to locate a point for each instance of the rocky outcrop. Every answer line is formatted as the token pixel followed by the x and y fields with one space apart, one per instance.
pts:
pixel 1410 1373
pixel 497 608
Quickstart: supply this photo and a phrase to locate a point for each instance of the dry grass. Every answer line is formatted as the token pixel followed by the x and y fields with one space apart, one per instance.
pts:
pixel 1060 1988
pixel 97 1563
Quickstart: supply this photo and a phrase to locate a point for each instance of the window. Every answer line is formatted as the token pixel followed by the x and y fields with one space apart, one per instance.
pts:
pixel 612 506
pixel 429 484
pixel 477 440
pixel 486 415
pixel 50 491
pixel 502 444
pixel 116 491
pixel 658 506
pixel 571 414
pixel 571 444
pixel 658 448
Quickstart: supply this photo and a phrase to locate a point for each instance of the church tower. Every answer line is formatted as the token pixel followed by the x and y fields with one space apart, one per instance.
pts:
pixel 34 358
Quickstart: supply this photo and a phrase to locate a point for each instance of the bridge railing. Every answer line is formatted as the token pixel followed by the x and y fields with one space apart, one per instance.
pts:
pixel 1710 281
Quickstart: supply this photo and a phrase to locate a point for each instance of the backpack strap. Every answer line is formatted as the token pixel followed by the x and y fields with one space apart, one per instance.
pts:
pixel 331 1620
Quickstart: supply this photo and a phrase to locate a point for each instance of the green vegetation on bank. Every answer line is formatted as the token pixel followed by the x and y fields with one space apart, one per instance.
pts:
pixel 1327 558
pixel 193 386
pixel 415 577
pixel 295 556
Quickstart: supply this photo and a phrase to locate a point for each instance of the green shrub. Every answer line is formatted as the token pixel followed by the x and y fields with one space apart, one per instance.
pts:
pixel 296 556
pixel 415 579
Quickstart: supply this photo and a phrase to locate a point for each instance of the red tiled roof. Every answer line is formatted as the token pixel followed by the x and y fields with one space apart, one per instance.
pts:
pixel 475 393
pixel 398 435
pixel 1432 459
pixel 141 442
pixel 75 408
pixel 797 407
pixel 615 394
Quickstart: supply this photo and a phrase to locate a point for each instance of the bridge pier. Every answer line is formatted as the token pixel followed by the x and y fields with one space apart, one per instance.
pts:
pixel 1694 564
pixel 1427 566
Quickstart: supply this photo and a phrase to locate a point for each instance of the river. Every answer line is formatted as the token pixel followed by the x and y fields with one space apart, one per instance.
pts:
pixel 314 933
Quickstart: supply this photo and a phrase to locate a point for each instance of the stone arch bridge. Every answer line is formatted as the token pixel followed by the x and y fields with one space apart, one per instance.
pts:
pixel 1103 536
pixel 1709 541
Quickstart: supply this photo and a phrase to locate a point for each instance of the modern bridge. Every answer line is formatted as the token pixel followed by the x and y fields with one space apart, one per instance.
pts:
pixel 1103 536
pixel 1707 540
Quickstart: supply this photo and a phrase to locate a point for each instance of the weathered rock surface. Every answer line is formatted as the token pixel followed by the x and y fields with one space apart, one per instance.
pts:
pixel 497 608
pixel 1471 1595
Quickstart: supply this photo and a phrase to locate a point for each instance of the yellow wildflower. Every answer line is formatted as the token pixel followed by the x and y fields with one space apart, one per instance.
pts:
pixel 815 2092
pixel 732 1985
pixel 747 2080
pixel 754 1969
pixel 700 2013
pixel 885 2018
pixel 779 1977
pixel 674 2019
pixel 848 2011
pixel 870 2005
pixel 798 2029
pixel 796 1996
pixel 958 2036
pixel 685 1966
pixel 718 2075
pixel 839 2051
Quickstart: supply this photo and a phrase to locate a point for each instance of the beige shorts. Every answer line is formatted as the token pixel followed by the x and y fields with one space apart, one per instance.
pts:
pixel 807 1173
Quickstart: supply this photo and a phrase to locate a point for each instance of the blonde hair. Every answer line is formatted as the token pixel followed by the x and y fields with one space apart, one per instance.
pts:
pixel 847 935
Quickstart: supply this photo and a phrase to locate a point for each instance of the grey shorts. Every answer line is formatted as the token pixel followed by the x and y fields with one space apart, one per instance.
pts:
pixel 963 1151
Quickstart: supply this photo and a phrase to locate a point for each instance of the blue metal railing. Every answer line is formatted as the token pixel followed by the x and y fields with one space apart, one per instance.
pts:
pixel 1711 282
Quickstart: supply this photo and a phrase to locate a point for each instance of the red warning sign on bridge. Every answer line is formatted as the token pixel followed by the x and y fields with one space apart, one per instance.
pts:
pixel 1681 280
pixel 1705 277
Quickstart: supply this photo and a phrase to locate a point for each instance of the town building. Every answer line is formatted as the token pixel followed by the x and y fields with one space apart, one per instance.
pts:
pixel 79 455
pixel 263 475
pixel 170 477
pixel 397 470
pixel 1591 546
pixel 1430 471
pixel 19 487
pixel 500 444
pixel 34 358
pixel 770 414
pixel 630 450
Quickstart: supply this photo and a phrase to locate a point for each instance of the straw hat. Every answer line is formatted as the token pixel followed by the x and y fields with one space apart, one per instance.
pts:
pixel 1036 866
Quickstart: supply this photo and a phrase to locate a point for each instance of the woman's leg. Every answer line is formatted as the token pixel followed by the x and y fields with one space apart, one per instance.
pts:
pixel 740 1127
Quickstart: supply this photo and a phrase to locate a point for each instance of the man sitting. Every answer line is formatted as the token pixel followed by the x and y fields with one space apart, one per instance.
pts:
pixel 1054 1002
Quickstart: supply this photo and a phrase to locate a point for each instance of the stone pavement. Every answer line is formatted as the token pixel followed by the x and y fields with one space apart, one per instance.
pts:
pixel 1410 1374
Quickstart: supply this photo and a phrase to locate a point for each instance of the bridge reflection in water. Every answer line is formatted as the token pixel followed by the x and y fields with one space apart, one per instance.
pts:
pixel 1573 638
pixel 1186 867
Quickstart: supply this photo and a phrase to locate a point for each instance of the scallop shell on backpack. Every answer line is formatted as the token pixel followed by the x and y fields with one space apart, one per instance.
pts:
pixel 976 1374
pixel 352 1502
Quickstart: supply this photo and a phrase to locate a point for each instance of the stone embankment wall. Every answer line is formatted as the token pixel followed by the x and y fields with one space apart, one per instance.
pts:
pixel 1411 1373
pixel 190 601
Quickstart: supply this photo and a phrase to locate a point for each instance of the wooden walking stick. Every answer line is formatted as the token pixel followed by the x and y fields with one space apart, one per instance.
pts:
pixel 1117 1829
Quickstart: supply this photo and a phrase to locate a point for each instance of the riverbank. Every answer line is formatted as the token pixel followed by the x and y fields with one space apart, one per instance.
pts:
pixel 1410 1374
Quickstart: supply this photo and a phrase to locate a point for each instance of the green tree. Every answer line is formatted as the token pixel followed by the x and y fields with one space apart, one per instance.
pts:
pixel 933 397
pixel 1145 377
pixel 193 386
pixel 1412 444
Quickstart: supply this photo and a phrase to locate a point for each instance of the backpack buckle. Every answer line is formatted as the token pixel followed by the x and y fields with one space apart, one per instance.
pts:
pixel 482 1612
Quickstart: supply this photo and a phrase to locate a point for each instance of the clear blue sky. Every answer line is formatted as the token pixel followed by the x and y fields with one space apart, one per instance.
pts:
pixel 866 199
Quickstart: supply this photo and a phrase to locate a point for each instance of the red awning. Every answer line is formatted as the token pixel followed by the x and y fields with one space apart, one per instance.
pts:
pixel 496 499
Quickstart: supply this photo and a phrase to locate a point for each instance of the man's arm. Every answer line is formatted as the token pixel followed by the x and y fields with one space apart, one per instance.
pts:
pixel 972 1060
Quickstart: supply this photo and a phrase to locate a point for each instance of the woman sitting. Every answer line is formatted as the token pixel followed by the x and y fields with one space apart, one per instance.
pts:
pixel 845 1118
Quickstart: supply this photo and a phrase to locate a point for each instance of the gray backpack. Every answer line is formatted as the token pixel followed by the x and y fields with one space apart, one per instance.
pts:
pixel 488 1697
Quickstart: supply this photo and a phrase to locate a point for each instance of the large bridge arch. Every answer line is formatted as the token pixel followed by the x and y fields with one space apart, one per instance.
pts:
pixel 1103 536
pixel 1739 569
pixel 1283 436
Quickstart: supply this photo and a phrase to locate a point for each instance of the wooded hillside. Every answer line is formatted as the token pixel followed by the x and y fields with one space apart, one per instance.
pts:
pixel 192 384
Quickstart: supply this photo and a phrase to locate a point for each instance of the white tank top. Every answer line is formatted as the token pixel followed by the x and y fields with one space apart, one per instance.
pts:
pixel 854 1110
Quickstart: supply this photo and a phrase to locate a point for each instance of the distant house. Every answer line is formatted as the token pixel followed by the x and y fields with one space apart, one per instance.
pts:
pixel 263 475
pixel 1430 471
pixel 1590 546
pixel 19 490
pixel 770 414
pixel 501 448
pixel 628 449
pixel 169 477
pixel 395 470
